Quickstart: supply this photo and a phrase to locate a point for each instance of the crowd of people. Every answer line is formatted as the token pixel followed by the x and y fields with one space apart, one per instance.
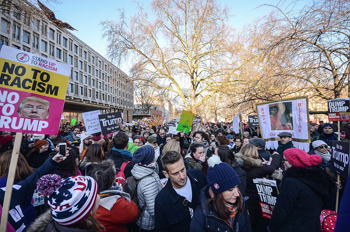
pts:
pixel 142 178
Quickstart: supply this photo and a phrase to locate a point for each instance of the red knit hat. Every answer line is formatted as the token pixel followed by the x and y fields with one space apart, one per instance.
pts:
pixel 40 143
pixel 300 159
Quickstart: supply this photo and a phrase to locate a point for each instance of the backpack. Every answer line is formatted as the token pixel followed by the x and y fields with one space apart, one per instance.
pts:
pixel 120 177
pixel 130 187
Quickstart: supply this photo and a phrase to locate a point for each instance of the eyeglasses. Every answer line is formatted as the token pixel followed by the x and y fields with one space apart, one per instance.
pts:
pixel 321 147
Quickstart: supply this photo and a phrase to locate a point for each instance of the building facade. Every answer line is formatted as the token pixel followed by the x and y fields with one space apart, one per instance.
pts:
pixel 94 84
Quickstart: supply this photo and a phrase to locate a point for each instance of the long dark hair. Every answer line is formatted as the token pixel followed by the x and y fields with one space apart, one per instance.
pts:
pixel 226 155
pixel 218 205
pixel 68 167
pixel 94 153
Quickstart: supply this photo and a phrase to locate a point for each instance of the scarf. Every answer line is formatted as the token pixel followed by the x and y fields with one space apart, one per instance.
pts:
pixel 123 152
pixel 282 147
pixel 325 157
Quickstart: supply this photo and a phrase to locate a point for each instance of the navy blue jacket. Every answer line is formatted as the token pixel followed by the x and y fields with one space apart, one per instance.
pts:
pixel 172 213
pixel 206 219
pixel 20 193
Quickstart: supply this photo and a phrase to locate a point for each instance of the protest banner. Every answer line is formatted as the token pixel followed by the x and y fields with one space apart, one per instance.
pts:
pixel 172 130
pixel 32 92
pixel 185 122
pixel 268 192
pixel 197 127
pixel 253 121
pixel 92 123
pixel 340 158
pixel 338 109
pixel 156 118
pixel 110 122
pixel 235 123
pixel 288 115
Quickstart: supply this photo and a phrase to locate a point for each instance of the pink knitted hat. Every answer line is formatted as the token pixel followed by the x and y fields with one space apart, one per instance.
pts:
pixel 300 159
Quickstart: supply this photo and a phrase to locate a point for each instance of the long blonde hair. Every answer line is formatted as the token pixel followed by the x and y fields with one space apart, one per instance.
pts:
pixel 172 145
pixel 250 150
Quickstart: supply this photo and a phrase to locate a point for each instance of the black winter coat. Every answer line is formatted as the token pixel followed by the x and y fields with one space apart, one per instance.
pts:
pixel 118 160
pixel 172 213
pixel 206 219
pixel 300 201
pixel 242 177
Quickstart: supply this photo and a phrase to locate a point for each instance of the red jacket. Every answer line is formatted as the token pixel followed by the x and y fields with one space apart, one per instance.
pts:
pixel 121 213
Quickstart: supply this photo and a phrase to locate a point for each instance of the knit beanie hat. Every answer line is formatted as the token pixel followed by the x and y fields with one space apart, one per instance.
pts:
pixel 82 136
pixel 151 139
pixel 300 159
pixel 222 177
pixel 328 124
pixel 318 143
pixel 40 143
pixel 144 155
pixel 70 199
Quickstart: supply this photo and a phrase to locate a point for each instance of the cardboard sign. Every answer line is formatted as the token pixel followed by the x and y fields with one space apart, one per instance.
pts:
pixel 267 190
pixel 110 122
pixel 198 127
pixel 235 123
pixel 338 109
pixel 172 130
pixel 340 158
pixel 185 122
pixel 92 124
pixel 32 92
pixel 38 198
pixel 253 121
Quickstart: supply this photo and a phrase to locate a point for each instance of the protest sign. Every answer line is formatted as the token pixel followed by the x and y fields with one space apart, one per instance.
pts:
pixel 38 198
pixel 156 118
pixel 92 123
pixel 74 120
pixel 340 158
pixel 185 122
pixel 32 92
pixel 253 121
pixel 172 130
pixel 267 190
pixel 197 127
pixel 196 120
pixel 338 109
pixel 289 115
pixel 235 123
pixel 110 122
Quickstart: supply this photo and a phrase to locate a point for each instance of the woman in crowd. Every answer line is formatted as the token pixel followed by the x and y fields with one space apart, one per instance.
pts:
pixel 213 142
pixel 222 207
pixel 152 141
pixel 196 158
pixel 300 201
pixel 116 209
pixel 255 168
pixel 73 202
pixel 37 156
pixel 227 156
pixel 238 145
pixel 92 157
pixel 321 149
pixel 149 185
pixel 145 135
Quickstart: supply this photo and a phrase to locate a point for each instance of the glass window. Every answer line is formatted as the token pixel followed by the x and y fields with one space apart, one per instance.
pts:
pixel 76 62
pixel 58 37
pixel 43 46
pixel 75 49
pixel 52 34
pixel 26 18
pixel 43 28
pixel 85 55
pixel 81 90
pixel 92 59
pixel 93 82
pixel 80 64
pixel 16 13
pixel 89 69
pixel 80 52
pixel 76 78
pixel 70 45
pixel 26 36
pixel 36 24
pixel 16 31
pixel 3 41
pixel 70 61
pixel 89 92
pixel 5 26
pixel 52 49
pixel 85 79
pixel 64 56
pixel 65 42
pixel 58 53
pixel 35 41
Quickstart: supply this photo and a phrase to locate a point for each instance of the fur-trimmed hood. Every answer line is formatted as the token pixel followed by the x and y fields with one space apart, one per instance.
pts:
pixel 247 161
pixel 313 177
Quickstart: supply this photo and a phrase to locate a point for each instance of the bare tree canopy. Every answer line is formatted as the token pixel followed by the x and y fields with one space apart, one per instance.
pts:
pixel 186 47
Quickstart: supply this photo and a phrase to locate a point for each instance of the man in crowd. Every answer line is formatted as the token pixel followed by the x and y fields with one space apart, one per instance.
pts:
pixel 176 202
pixel 260 144
pixel 73 136
pixel 120 154
pixel 161 139
pixel 284 143
pixel 86 141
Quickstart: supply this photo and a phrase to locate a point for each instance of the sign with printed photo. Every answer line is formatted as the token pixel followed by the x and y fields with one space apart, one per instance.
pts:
pixel 32 92
pixel 338 109
pixel 289 115
pixel 267 190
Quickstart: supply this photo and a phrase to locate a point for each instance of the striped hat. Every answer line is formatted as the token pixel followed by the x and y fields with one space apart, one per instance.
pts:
pixel 70 199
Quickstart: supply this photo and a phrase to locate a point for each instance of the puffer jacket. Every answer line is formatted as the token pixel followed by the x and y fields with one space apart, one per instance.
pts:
pixel 206 219
pixel 147 190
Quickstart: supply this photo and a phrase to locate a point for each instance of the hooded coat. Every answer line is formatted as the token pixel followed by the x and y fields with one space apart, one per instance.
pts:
pixel 147 190
pixel 300 201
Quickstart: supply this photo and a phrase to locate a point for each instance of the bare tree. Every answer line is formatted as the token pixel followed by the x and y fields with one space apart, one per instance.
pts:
pixel 186 47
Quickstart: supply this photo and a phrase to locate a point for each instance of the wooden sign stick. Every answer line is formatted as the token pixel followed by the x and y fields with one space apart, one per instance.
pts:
pixel 10 180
